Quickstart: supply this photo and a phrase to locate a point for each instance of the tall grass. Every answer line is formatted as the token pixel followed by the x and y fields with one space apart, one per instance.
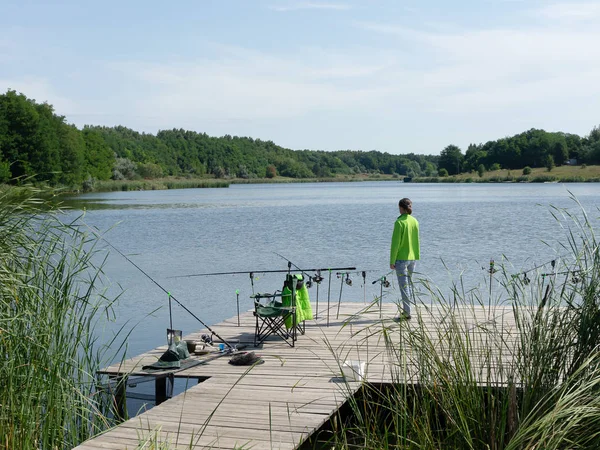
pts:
pixel 516 370
pixel 158 184
pixel 50 303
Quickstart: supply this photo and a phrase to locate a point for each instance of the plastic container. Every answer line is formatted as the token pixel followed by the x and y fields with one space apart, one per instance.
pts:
pixel 353 370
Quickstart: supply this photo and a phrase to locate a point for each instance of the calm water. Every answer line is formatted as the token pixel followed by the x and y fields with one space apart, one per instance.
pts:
pixel 183 232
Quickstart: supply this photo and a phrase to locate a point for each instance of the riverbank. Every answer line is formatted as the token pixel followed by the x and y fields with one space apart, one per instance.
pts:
pixel 186 183
pixel 562 174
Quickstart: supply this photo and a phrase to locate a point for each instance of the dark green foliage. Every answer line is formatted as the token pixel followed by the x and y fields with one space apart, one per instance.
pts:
pixel 451 159
pixel 526 170
pixel 549 163
pixel 480 170
pixel 98 155
pixel 35 142
pixel 149 170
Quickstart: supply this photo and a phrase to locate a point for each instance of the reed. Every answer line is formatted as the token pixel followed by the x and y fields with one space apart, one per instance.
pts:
pixel 464 384
pixel 51 300
pixel 158 184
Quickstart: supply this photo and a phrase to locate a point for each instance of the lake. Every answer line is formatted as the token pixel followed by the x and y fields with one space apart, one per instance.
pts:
pixel 176 233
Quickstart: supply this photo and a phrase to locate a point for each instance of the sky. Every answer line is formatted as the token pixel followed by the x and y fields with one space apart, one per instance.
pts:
pixel 398 76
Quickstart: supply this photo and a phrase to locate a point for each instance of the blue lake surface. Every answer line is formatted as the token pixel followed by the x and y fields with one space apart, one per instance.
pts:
pixel 169 234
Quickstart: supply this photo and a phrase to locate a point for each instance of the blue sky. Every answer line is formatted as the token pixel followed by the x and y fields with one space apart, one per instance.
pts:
pixel 395 76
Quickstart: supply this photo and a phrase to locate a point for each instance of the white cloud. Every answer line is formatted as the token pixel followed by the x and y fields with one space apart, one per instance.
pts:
pixel 296 6
pixel 213 90
pixel 499 68
pixel 571 12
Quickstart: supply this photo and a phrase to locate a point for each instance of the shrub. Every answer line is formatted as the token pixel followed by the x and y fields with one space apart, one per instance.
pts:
pixel 88 184
pixel 124 169
pixel 443 172
pixel 526 170
pixel 549 163
pixel 150 170
pixel 271 171
pixel 480 170
pixel 543 179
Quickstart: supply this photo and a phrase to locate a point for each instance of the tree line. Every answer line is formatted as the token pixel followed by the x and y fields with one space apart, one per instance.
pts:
pixel 533 148
pixel 36 142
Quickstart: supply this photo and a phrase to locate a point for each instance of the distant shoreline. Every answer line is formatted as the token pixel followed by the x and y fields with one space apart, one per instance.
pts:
pixel 590 174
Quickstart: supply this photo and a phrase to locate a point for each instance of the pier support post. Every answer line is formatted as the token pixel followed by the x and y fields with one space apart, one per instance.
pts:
pixel 119 397
pixel 160 390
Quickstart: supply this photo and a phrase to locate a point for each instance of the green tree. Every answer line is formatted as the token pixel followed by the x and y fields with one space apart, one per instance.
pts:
pixel 72 159
pixel 560 152
pixel 451 159
pixel 99 157
pixel 549 163
pixel 20 137
pixel 480 170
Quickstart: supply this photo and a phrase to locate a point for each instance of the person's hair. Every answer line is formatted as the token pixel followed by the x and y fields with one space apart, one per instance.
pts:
pixel 406 204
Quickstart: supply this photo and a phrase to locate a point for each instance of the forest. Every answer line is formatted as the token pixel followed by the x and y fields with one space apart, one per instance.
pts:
pixel 38 144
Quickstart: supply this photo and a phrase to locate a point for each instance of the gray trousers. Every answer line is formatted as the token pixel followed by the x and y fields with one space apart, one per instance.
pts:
pixel 404 271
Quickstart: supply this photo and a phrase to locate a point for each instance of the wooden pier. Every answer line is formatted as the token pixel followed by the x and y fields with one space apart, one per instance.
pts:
pixel 278 404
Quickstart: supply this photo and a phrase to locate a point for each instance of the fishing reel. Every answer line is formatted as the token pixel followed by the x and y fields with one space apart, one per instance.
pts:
pixel 347 279
pixel 317 278
pixel 385 282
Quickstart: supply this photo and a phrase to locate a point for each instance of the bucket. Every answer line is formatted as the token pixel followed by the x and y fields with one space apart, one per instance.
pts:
pixel 353 370
pixel 191 346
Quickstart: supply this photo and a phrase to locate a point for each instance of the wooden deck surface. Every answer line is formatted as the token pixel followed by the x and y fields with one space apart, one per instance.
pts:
pixel 280 403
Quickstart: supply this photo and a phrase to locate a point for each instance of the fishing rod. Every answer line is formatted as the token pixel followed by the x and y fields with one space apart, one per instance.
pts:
pixel 525 272
pixel 250 272
pixel 304 271
pixel 213 332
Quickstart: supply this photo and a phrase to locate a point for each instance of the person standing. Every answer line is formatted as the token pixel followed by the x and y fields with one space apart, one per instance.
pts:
pixel 405 252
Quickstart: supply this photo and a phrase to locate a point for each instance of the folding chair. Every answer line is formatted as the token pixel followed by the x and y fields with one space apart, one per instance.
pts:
pixel 271 318
pixel 291 295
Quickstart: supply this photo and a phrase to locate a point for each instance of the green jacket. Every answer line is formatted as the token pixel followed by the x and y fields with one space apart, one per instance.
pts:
pixel 405 240
pixel 303 307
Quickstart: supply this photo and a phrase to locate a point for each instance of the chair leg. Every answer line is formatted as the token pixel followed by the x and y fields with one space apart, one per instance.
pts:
pixel 273 325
